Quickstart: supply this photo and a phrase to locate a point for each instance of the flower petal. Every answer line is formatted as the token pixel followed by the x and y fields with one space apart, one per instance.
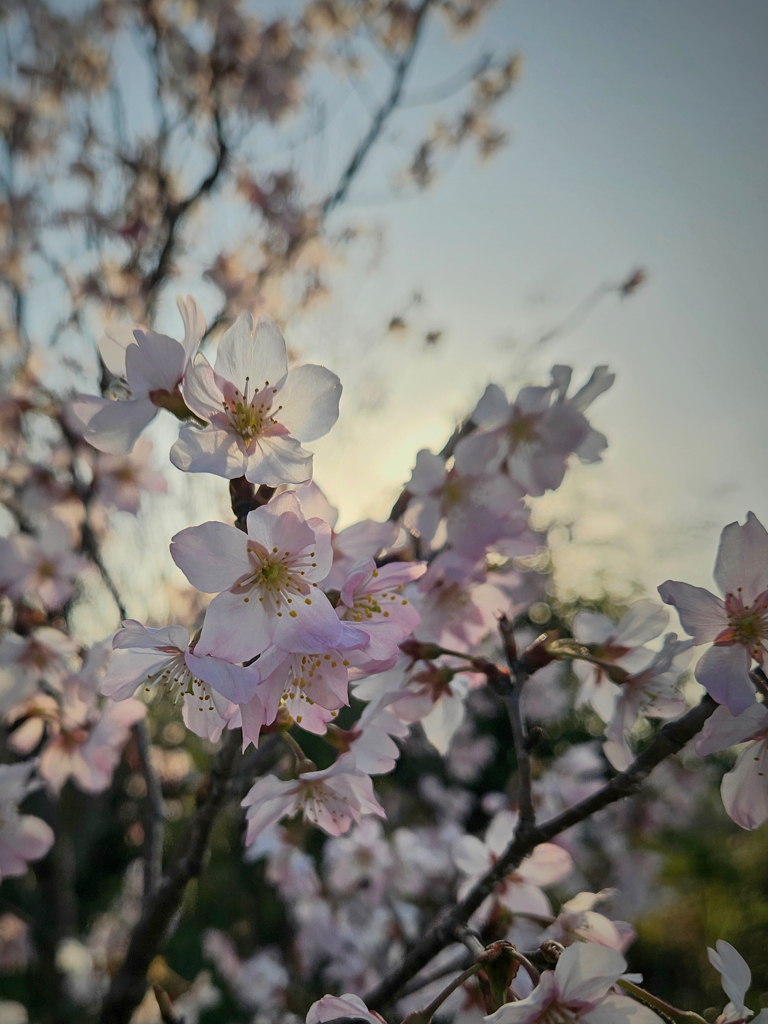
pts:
pixel 310 401
pixel 213 556
pixel 724 674
pixel 257 353
pixel 742 559
pixel 701 613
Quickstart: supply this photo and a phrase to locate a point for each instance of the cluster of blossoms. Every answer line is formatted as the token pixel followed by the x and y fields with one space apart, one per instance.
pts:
pixel 384 637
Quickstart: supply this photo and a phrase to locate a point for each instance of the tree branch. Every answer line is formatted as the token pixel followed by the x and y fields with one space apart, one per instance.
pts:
pixel 154 819
pixel 670 739
pixel 379 122
pixel 130 982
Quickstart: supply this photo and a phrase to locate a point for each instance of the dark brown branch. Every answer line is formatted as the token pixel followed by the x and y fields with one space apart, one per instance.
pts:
pixel 151 931
pixel 154 819
pixel 670 739
pixel 381 117
pixel 510 692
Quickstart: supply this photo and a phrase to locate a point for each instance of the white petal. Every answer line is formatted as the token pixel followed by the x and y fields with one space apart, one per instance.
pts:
pixel 213 556
pixel 279 460
pixel 115 426
pixel 207 450
pixel 585 971
pixel 742 559
pixel 701 613
pixel 724 674
pixel 310 402
pixel 256 353
pixel 745 788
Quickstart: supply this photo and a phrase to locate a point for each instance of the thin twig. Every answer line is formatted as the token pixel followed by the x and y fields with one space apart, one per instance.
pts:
pixel 670 739
pixel 154 820
pixel 511 697
pixel 379 121
pixel 151 931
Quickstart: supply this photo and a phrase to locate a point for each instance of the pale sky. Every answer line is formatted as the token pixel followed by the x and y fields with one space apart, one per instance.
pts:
pixel 640 137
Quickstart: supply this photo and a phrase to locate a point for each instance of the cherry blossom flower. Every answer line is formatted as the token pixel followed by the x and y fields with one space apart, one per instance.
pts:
pixel 614 645
pixel 435 697
pixel 744 788
pixel 45 654
pixel 153 366
pixel 578 990
pixel 256 411
pixel 653 692
pixel 542 427
pixel 120 480
pixel 258 983
pixel 347 1005
pixel 360 859
pixel 372 598
pixel 331 799
pixel 738 625
pixel 84 742
pixel 521 889
pixel 23 837
pixel 579 921
pixel 265 582
pixel 311 687
pixel 45 568
pixel 370 738
pixel 479 507
pixel 736 978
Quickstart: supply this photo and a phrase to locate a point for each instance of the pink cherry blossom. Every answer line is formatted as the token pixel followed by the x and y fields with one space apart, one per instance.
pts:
pixel 23 837
pixel 45 654
pixel 459 602
pixel 579 921
pixel 744 789
pixel 331 799
pixel 521 889
pixel 120 480
pixel 347 1005
pixel 653 691
pixel 311 687
pixel 540 430
pixel 84 741
pixel 153 366
pixel 619 645
pixel 265 582
pixel 371 737
pixel 479 507
pixel 738 625
pixel 372 598
pixel 360 859
pixel 44 569
pixel 256 411
pixel 578 990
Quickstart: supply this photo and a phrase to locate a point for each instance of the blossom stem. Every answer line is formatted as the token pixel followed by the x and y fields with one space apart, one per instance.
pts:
pixel 303 764
pixel 670 1012
pixel 429 1011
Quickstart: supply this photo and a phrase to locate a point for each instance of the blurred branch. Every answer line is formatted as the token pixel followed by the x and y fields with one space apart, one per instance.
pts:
pixel 510 691
pixel 154 819
pixel 381 117
pixel 156 922
pixel 576 318
pixel 670 739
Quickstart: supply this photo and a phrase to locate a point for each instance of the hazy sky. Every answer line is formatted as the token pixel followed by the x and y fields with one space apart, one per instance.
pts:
pixel 640 137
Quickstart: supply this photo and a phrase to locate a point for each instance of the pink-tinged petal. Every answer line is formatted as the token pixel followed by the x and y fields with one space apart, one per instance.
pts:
pixel 257 353
pixel 621 1010
pixel 744 789
pixel 600 381
pixel 547 865
pixel 113 427
pixel 194 324
pixel 213 556
pixel 643 621
pixel 428 475
pixel 201 389
pixel 155 363
pixel 724 674
pixel 269 800
pixel 280 525
pixel 208 450
pixel 500 831
pixel 531 1009
pixel 347 1005
pixel 200 720
pixel 742 559
pixel 592 627
pixel 134 634
pixel 24 739
pixel 33 839
pixel 524 898
pixel 701 613
pixel 423 515
pixel 278 460
pixel 310 402
pixel 113 344
pixel 315 628
pixel 735 975
pixel 443 720
pixel 493 409
pixel 252 718
pixel 231 681
pixel 235 629
pixel 585 972
pixel 471 856
pixel 315 504
pixel 723 730
pixel 128 669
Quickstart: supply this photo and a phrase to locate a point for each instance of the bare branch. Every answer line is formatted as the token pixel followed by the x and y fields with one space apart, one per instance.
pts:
pixel 154 820
pixel 670 739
